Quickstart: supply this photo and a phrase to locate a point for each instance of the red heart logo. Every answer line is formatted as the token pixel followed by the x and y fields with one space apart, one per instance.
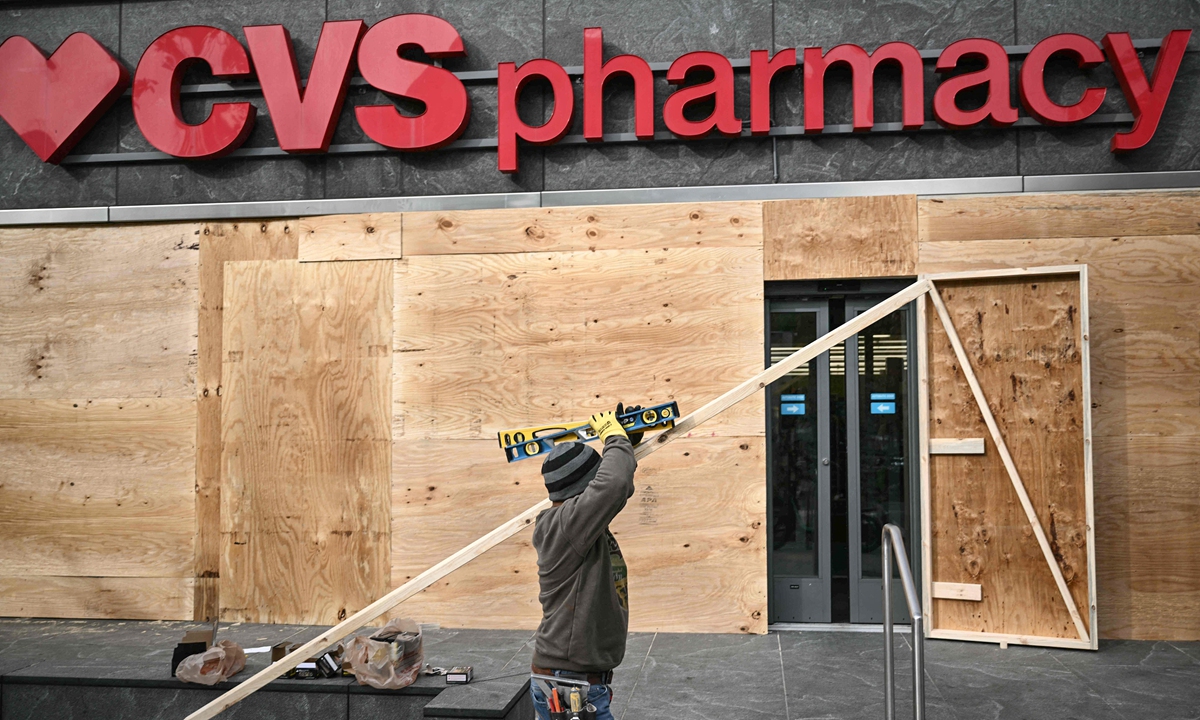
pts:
pixel 52 103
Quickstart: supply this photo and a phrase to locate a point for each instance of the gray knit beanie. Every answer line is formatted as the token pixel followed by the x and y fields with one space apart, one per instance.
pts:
pixel 568 469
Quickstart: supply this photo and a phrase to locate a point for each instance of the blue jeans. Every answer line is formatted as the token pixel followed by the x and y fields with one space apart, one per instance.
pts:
pixel 598 695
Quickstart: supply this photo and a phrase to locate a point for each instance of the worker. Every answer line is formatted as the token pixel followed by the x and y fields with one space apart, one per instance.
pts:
pixel 582 575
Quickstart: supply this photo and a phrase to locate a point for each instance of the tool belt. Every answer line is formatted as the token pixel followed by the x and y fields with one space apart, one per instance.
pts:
pixel 604 678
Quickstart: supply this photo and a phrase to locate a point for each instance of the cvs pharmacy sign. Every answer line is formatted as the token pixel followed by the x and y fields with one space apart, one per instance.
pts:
pixel 53 101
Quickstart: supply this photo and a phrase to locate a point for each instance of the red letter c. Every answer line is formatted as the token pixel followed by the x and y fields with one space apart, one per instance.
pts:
pixel 156 93
pixel 1032 85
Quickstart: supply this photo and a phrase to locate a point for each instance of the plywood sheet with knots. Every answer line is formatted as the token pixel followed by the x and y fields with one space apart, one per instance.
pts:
pixel 1023 338
pixel 848 237
pixel 306 439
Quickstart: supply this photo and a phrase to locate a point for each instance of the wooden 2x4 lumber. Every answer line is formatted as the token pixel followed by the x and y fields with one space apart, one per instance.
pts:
pixel 526 518
pixel 956 446
pixel 1009 465
pixel 957 591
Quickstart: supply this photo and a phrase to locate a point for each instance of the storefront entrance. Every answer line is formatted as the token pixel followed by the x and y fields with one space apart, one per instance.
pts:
pixel 841 454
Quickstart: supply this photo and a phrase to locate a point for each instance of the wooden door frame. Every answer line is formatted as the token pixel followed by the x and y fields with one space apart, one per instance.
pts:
pixel 1088 638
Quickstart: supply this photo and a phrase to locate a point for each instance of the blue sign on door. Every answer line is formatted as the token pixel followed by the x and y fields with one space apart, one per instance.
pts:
pixel 883 396
pixel 791 405
pixel 883 408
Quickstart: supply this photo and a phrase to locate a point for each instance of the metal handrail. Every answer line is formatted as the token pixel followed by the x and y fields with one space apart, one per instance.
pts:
pixel 892 537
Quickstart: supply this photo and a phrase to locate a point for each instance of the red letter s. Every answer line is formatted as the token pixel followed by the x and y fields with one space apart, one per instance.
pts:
pixel 447 107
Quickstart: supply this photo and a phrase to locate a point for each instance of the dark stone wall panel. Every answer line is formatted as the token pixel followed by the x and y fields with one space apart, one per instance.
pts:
pixel 662 164
pixel 1037 19
pixel 658 31
pixel 835 158
pixel 236 180
pixel 493 31
pixel 924 23
pixel 142 22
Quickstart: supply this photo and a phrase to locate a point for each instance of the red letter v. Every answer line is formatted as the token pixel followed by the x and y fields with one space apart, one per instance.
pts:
pixel 304 119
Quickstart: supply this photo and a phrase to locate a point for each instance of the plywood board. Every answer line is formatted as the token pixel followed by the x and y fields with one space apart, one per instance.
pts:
pixel 1023 339
pixel 97 488
pixel 488 342
pixel 1144 295
pixel 98 312
pixel 603 227
pixel 111 598
pixel 840 237
pixel 368 236
pixel 696 522
pixel 1147 502
pixel 1056 216
pixel 306 439
pixel 220 243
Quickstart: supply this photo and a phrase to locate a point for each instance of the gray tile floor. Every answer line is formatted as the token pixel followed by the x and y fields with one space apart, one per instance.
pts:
pixel 790 675
pixel 839 675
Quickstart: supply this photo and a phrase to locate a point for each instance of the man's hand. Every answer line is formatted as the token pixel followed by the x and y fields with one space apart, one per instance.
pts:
pixel 634 438
pixel 606 425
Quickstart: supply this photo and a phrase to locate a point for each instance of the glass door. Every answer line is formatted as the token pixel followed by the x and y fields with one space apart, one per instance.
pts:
pixel 798 554
pixel 879 454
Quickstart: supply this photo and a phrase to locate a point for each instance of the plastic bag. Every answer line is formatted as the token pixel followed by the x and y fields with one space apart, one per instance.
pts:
pixel 220 662
pixel 390 659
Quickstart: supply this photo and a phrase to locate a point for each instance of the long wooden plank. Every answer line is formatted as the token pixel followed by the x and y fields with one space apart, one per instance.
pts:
pixel 1011 639
pixel 371 236
pixel 840 237
pixel 220 243
pixel 526 519
pixel 565 229
pixel 111 598
pixel 1085 340
pixel 1028 215
pixel 923 371
pixel 1006 458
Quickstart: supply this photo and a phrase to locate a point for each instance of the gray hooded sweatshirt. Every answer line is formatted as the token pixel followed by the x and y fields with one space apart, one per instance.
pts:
pixel 583 578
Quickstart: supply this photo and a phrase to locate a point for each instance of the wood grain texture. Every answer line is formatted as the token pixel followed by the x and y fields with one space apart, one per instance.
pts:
pixel 1141 250
pixel 220 243
pixel 696 521
pixel 110 598
pixel 840 237
pixel 96 494
pixel 1022 338
pixel 1144 296
pixel 97 487
pixel 603 227
pixel 1057 216
pixel 98 312
pixel 488 342
pixel 306 439
pixel 1147 502
pixel 369 236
